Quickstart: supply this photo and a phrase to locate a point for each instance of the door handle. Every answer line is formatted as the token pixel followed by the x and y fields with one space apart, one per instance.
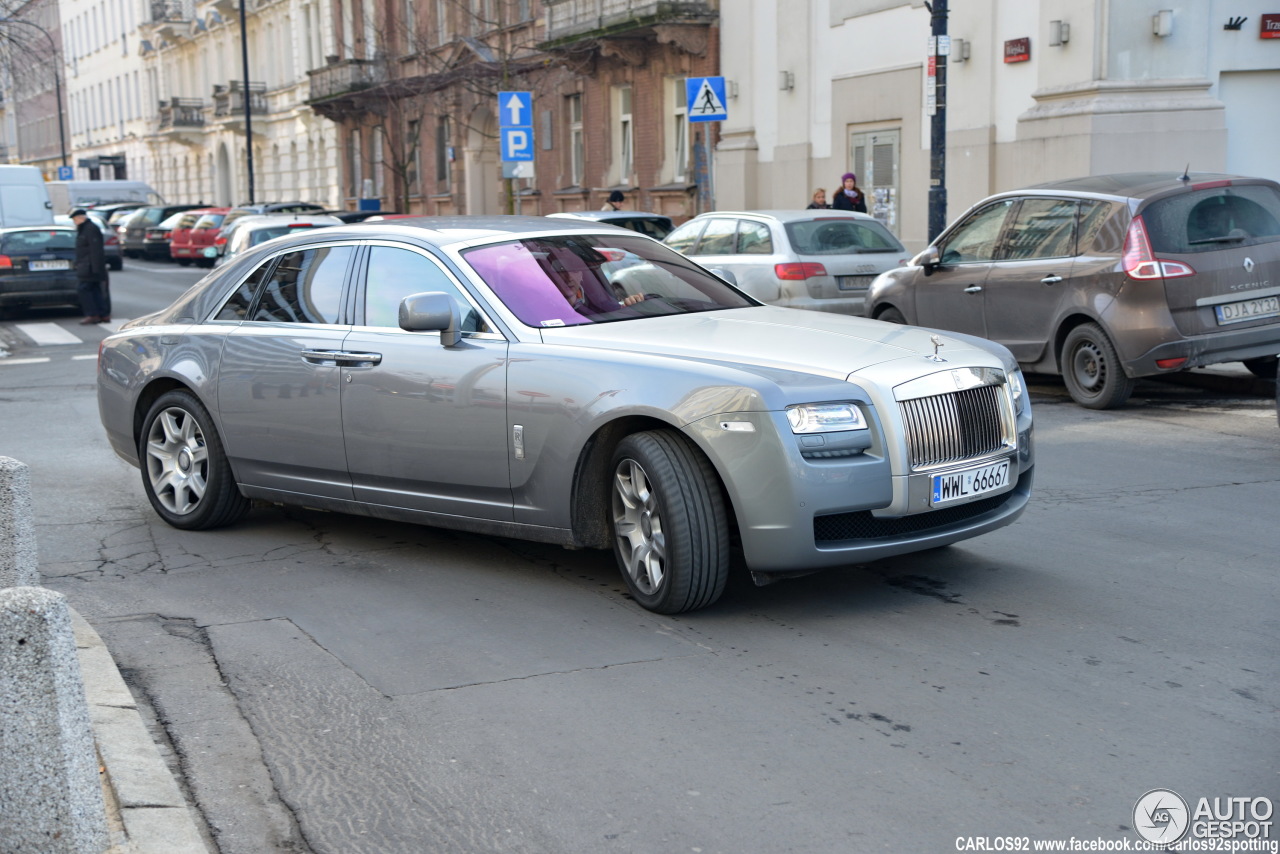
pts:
pixel 350 359
pixel 1051 279
pixel 973 289
pixel 328 358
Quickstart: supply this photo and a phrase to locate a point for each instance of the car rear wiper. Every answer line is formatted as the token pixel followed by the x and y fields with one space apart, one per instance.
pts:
pixel 1226 238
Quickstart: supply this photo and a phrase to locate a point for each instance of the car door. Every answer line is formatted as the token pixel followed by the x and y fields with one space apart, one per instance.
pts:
pixel 278 384
pixel 425 424
pixel 951 296
pixel 1031 276
pixel 719 249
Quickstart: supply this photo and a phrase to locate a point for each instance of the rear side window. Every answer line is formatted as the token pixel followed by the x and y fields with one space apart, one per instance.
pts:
pixel 306 286
pixel 29 242
pixel 840 237
pixel 754 238
pixel 1102 228
pixel 237 305
pixel 1214 218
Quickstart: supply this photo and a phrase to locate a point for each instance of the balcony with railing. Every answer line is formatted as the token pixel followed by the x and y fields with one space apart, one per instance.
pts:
pixel 182 120
pixel 348 75
pixel 171 19
pixel 229 102
pixel 572 21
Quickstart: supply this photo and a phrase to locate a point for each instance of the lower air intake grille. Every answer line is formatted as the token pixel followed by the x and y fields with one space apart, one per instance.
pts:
pixel 950 428
pixel 863 526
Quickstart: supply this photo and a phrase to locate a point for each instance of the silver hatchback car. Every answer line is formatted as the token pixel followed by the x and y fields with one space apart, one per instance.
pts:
pixel 1107 278
pixel 500 375
pixel 816 259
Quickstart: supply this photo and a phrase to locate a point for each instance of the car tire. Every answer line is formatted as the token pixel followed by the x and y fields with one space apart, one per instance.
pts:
pixel 670 527
pixel 1264 367
pixel 185 472
pixel 116 264
pixel 891 315
pixel 184 262
pixel 1091 369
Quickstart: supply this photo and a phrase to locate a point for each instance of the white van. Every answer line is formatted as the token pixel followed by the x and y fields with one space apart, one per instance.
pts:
pixel 24 200
pixel 67 195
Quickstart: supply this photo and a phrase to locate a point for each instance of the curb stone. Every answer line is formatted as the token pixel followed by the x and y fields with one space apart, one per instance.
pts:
pixel 147 813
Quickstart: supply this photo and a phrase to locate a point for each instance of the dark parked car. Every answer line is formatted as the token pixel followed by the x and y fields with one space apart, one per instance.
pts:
pixel 490 374
pixel 37 267
pixel 158 240
pixel 1107 279
pixel 654 225
pixel 133 232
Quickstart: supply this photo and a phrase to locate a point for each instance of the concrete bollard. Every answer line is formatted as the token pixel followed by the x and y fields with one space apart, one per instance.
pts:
pixel 50 794
pixel 18 566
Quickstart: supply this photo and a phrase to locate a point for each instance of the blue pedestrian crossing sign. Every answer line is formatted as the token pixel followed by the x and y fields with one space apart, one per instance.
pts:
pixel 515 125
pixel 704 98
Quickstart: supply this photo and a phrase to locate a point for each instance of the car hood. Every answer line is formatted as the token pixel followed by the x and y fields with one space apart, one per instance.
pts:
pixel 812 342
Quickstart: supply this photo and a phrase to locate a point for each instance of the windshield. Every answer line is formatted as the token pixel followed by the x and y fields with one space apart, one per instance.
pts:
pixel 577 279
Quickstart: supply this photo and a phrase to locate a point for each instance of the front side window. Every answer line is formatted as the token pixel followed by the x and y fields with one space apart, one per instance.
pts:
pixel 305 286
pixel 975 239
pixel 1042 228
pixel 395 273
pixel 579 279
pixel 718 239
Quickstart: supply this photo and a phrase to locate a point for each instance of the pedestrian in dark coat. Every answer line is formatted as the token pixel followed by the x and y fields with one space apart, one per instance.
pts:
pixel 819 200
pixel 91 269
pixel 850 196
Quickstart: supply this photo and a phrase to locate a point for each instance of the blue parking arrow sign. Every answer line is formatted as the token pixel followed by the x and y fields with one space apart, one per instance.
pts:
pixel 704 99
pixel 517 143
pixel 515 109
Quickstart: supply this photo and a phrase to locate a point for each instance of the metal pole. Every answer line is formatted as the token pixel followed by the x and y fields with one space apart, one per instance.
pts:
pixel 711 172
pixel 57 81
pixel 938 128
pixel 248 108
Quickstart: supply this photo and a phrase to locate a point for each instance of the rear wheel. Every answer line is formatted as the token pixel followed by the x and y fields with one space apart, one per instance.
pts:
pixel 184 467
pixel 1264 367
pixel 891 315
pixel 670 527
pixel 1091 369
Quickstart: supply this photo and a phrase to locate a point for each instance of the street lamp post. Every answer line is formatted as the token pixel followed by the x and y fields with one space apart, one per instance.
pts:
pixel 246 100
pixel 57 81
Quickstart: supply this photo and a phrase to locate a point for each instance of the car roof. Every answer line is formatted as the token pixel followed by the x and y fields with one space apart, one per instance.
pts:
pixel 607 215
pixel 791 215
pixel 1132 185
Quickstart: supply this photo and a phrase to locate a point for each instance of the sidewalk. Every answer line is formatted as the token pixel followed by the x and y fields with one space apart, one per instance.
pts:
pixel 146 811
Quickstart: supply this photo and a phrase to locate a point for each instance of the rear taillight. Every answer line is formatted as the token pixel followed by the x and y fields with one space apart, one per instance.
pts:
pixel 6 263
pixel 220 241
pixel 1140 262
pixel 798 271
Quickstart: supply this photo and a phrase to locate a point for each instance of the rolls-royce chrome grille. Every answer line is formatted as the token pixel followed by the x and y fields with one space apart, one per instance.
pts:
pixel 956 426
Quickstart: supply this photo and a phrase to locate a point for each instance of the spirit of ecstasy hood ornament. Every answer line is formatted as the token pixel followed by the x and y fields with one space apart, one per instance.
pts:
pixel 937 343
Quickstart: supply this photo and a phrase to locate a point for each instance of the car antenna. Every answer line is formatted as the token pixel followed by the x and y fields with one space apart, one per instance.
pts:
pixel 1186 174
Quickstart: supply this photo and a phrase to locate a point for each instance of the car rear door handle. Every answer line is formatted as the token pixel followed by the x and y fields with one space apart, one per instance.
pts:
pixel 973 289
pixel 1051 279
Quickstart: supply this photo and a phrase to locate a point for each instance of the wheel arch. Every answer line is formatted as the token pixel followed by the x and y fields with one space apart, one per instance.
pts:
pixel 1065 326
pixel 150 394
pixel 590 501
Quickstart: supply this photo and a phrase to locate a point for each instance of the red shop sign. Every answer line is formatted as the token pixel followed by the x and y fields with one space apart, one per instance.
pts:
pixel 1017 50
pixel 1270 26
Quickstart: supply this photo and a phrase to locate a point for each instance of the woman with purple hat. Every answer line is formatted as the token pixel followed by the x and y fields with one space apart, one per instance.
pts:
pixel 849 197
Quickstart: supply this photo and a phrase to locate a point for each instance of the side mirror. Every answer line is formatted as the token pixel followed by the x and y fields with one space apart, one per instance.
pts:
pixel 434 311
pixel 727 275
pixel 928 259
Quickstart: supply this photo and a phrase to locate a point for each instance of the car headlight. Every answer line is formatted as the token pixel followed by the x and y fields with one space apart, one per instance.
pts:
pixel 1017 385
pixel 825 418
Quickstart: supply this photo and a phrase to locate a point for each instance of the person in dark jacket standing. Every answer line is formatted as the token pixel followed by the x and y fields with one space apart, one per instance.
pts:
pixel 91 269
pixel 850 196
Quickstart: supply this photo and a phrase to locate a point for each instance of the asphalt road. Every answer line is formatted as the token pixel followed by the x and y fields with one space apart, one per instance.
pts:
pixel 336 684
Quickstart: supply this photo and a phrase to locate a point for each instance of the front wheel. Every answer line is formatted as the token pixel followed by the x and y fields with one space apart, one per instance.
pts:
pixel 184 468
pixel 670 527
pixel 1091 369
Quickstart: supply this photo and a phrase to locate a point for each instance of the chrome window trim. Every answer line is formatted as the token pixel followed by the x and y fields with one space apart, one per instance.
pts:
pixel 211 317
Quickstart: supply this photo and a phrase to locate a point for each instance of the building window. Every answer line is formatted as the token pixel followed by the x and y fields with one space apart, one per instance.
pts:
pixel 625 136
pixel 355 173
pixel 413 165
pixel 444 156
pixel 443 34
pixel 377 163
pixel 679 130
pixel 410 26
pixel 576 147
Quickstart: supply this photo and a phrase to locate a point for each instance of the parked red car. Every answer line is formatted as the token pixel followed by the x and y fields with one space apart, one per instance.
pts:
pixel 195 231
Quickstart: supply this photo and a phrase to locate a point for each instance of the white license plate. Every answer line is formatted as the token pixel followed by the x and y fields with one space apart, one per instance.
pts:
pixel 853 283
pixel 960 486
pixel 50 265
pixel 1250 309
